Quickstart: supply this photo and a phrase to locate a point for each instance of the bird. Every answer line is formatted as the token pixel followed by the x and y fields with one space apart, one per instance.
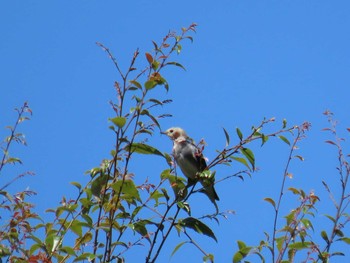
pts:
pixel 191 161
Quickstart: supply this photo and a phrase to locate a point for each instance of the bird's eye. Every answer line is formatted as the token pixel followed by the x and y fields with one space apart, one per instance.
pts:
pixel 171 131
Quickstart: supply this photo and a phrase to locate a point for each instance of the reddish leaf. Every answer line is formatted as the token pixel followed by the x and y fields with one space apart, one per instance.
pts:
pixel 149 58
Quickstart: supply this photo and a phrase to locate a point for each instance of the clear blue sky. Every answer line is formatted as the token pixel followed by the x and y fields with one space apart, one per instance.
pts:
pixel 249 60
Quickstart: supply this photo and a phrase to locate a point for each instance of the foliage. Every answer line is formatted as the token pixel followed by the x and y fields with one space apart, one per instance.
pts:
pixel 113 214
pixel 297 236
pixel 17 217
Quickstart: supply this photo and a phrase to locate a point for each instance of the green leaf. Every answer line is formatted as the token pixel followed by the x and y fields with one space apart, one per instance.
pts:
pixel 154 119
pixel 264 139
pixel 330 218
pixel 184 205
pixel 250 156
pixel 241 160
pixel 140 227
pixel 237 257
pixel 279 242
pixel 198 226
pixel 143 149
pixel 243 251
pixel 175 64
pixel 136 84
pixel 150 84
pixel 178 48
pixel 227 137
pixel 76 227
pixel 294 190
pixel 98 183
pixel 128 189
pixel 178 247
pixel 208 257
pixel 284 139
pixel 271 201
pixel 284 123
pixel 346 240
pixel 339 233
pixel 307 223
pixel 241 244
pixel 300 245
pixel 118 121
pixel 239 133
pixel 13 160
pixel 84 256
pixel 165 193
pixel 76 184
pixel 32 249
pixel 68 250
pixel 324 236
pixel 155 64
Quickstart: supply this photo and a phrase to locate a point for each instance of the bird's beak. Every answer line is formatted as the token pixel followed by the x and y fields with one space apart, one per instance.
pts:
pixel 163 133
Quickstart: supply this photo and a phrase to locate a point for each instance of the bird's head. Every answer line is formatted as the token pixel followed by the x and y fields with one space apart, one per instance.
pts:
pixel 175 133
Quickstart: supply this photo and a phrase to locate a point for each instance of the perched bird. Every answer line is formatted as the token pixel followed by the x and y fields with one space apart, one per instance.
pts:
pixel 191 161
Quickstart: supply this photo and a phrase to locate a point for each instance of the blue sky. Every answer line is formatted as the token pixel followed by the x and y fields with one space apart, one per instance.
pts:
pixel 249 60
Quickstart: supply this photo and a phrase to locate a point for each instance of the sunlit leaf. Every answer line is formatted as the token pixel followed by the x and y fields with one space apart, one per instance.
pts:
pixel 346 240
pixel 128 189
pixel 239 133
pixel 84 256
pixel 284 139
pixel 237 257
pixel 241 244
pixel 118 121
pixel 12 160
pixel 300 245
pixel 271 201
pixel 241 160
pixel 68 250
pixel 76 227
pixel 184 205
pixel 307 223
pixel 279 242
pixel 178 246
pixel 250 156
pixel 150 84
pixel 294 190
pixel 264 139
pixel 178 48
pixel 208 257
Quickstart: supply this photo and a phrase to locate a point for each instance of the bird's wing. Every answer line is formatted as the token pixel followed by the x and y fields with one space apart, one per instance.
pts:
pixel 195 156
